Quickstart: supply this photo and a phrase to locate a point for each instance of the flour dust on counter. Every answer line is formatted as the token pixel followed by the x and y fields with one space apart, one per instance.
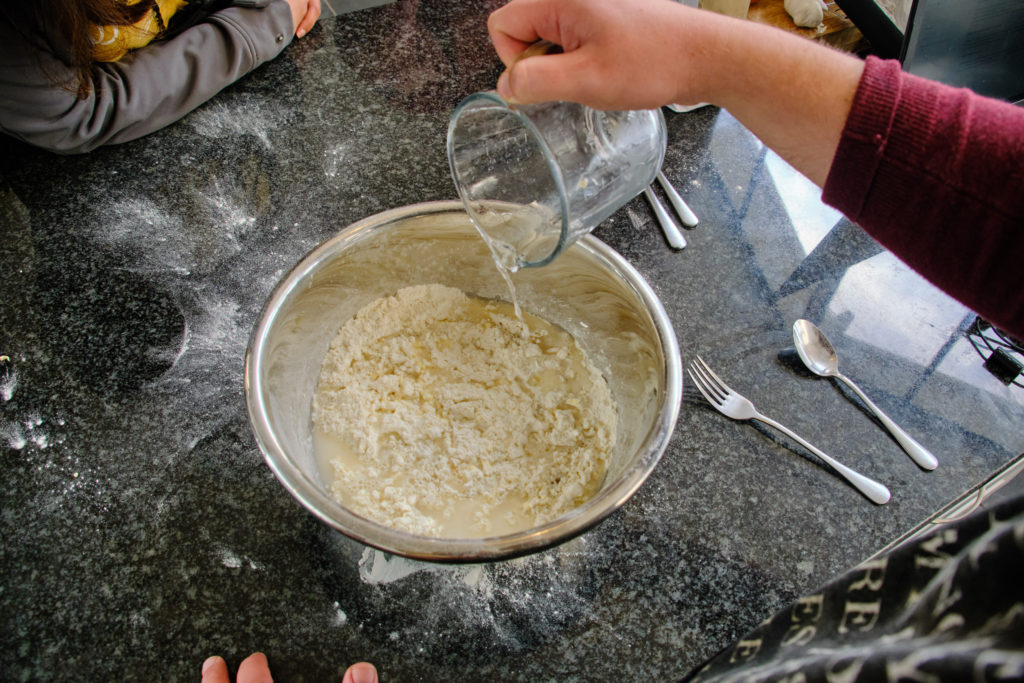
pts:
pixel 240 115
pixel 424 608
pixel 8 379
pixel 234 560
pixel 201 264
pixel 443 415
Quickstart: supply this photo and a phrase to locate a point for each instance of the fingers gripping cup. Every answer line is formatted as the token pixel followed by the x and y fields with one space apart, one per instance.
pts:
pixel 535 178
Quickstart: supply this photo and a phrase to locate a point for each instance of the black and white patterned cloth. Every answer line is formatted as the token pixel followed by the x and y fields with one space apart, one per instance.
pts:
pixel 949 607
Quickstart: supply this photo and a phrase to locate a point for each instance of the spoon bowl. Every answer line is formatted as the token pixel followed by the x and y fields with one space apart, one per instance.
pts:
pixel 815 350
pixel 820 357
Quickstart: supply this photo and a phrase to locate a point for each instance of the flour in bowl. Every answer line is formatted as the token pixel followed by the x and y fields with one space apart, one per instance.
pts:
pixel 441 417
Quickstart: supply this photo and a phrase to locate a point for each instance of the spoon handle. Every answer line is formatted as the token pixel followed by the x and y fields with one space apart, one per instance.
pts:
pixel 918 453
pixel 875 491
pixel 668 225
pixel 686 215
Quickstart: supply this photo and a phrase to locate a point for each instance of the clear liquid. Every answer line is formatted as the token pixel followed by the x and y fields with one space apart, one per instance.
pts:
pixel 507 261
pixel 516 237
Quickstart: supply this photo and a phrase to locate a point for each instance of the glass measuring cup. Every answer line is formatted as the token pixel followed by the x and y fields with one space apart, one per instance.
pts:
pixel 535 178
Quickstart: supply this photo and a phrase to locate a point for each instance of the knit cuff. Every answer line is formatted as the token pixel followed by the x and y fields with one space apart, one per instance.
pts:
pixel 864 138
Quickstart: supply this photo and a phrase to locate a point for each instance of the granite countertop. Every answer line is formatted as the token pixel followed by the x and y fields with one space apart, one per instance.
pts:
pixel 142 531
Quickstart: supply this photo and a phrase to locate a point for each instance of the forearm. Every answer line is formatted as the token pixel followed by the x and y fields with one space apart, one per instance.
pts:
pixel 169 80
pixel 791 93
pixel 936 174
pixel 148 90
pixel 933 172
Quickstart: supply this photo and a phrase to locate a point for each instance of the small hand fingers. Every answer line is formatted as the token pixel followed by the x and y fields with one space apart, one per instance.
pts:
pixel 363 672
pixel 310 18
pixel 254 669
pixel 215 670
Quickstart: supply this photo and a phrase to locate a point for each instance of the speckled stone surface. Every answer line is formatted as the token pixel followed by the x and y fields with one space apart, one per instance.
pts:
pixel 142 531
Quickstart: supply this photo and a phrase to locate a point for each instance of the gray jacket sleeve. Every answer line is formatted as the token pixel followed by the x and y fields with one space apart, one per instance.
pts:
pixel 144 91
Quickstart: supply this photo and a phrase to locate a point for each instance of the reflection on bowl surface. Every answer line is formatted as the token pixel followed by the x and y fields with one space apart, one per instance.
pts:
pixel 589 291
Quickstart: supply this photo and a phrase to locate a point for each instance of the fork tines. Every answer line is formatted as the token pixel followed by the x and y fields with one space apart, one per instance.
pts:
pixel 707 382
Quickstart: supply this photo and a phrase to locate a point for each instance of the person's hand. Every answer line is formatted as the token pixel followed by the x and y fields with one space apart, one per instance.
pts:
pixel 792 93
pixel 255 669
pixel 304 15
pixel 618 54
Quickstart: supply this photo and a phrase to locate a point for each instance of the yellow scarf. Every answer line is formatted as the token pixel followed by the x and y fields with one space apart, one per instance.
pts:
pixel 110 43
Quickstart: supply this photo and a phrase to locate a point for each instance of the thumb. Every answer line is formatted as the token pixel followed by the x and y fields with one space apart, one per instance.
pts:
pixel 215 670
pixel 363 672
pixel 545 78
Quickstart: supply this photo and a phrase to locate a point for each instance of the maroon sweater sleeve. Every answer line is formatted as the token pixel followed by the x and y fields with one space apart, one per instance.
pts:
pixel 936 175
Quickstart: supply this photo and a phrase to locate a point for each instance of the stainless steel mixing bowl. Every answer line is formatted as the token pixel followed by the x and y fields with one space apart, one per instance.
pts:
pixel 589 290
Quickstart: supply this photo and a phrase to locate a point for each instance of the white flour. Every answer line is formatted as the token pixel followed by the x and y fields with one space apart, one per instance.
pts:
pixel 444 419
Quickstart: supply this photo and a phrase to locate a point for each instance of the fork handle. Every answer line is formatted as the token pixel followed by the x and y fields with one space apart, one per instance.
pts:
pixel 875 492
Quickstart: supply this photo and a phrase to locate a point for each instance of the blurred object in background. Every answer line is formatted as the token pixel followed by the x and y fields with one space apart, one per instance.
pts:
pixel 977 44
pixel 732 8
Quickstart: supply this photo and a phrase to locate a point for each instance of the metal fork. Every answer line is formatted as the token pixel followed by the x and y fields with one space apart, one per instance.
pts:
pixel 733 405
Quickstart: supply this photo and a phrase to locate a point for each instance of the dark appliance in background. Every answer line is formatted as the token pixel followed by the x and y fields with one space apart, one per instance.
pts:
pixel 978 44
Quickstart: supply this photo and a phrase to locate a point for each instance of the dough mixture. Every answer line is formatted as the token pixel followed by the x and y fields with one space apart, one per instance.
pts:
pixel 441 416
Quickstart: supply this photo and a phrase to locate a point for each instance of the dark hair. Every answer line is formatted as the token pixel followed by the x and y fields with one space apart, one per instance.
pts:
pixel 67 26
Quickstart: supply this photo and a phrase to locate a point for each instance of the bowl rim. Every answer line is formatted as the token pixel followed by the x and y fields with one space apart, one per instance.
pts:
pixel 447 550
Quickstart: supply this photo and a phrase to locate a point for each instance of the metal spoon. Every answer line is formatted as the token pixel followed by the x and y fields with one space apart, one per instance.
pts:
pixel 820 358
pixel 686 215
pixel 668 224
